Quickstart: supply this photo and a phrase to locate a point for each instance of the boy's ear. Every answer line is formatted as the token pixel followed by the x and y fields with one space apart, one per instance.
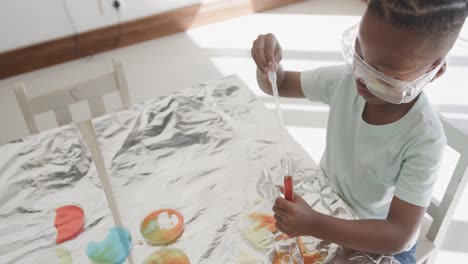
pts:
pixel 441 71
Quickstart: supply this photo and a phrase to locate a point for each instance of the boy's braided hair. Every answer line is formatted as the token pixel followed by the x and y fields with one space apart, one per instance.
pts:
pixel 432 19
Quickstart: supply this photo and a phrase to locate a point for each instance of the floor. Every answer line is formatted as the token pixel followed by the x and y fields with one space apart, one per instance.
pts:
pixel 309 33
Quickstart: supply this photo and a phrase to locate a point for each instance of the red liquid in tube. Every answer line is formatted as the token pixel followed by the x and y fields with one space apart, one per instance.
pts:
pixel 288 188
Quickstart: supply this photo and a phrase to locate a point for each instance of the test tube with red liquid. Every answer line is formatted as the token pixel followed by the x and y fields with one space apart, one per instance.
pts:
pixel 288 188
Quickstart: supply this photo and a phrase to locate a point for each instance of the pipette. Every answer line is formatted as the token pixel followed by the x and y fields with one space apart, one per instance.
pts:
pixel 287 179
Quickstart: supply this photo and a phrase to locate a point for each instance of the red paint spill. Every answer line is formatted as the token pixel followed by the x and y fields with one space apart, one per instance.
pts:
pixel 69 222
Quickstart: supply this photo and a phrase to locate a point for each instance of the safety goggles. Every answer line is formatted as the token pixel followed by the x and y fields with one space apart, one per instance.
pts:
pixel 385 87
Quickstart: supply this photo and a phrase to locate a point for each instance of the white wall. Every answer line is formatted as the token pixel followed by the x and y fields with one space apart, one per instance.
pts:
pixel 26 22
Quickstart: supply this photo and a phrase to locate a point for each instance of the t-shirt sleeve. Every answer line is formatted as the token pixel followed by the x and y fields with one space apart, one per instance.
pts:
pixel 419 171
pixel 320 84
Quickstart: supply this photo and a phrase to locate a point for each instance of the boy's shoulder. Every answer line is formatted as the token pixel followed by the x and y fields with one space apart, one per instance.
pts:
pixel 425 125
pixel 321 84
pixel 429 116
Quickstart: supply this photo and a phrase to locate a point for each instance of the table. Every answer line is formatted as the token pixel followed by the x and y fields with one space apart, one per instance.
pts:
pixel 211 152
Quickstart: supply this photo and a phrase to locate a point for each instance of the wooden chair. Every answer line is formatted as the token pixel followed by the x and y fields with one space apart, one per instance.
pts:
pixel 434 229
pixel 90 90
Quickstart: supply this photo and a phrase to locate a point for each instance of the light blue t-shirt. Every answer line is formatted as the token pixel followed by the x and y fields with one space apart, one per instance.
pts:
pixel 369 164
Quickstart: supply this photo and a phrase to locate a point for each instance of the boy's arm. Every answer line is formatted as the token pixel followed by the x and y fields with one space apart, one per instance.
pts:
pixel 319 83
pixel 388 236
pixel 267 54
pixel 413 192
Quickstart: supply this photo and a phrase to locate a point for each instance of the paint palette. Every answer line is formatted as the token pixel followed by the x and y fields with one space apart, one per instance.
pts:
pixel 114 249
pixel 167 256
pixel 162 227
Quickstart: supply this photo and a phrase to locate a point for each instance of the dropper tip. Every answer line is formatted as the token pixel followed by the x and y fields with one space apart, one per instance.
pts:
pixel 272 76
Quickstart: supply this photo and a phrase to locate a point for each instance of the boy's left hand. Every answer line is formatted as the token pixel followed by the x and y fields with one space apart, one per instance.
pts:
pixel 294 218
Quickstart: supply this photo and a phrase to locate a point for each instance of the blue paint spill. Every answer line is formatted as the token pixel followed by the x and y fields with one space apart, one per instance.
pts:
pixel 113 250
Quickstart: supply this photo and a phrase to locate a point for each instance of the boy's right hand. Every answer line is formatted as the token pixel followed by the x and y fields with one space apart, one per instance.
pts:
pixel 266 52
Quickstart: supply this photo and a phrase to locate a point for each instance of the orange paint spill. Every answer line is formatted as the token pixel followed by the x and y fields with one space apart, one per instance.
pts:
pixel 264 220
pixel 311 257
pixel 281 255
pixel 314 257
pixel 69 222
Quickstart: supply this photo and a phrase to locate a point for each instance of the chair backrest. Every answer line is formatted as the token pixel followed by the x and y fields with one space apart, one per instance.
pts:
pixel 442 211
pixel 59 100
